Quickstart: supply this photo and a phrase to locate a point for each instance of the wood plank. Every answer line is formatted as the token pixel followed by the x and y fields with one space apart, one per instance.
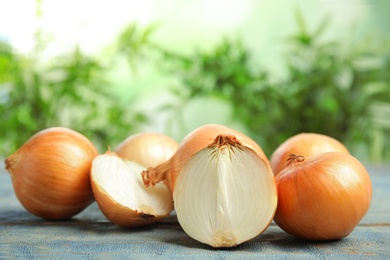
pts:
pixel 91 235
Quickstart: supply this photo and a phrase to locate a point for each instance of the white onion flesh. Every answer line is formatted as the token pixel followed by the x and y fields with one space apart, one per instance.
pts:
pixel 225 196
pixel 121 180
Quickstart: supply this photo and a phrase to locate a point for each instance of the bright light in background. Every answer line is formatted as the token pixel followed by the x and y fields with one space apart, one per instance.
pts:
pixel 93 24
pixel 224 15
pixel 90 23
pixel 18 24
pixel 346 12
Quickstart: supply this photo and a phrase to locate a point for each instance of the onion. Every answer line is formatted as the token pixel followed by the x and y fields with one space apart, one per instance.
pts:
pixel 225 193
pixel 195 141
pixel 148 149
pixel 50 173
pixel 117 183
pixel 322 197
pixel 306 144
pixel 121 195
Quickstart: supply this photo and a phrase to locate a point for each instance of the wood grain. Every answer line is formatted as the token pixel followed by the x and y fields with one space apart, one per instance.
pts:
pixel 89 235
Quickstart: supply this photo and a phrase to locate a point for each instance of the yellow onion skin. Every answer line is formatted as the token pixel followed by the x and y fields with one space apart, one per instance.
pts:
pixel 121 215
pixel 51 173
pixel 196 140
pixel 306 144
pixel 147 149
pixel 323 197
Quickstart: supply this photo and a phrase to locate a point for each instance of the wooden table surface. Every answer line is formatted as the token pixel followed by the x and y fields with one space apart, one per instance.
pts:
pixel 89 235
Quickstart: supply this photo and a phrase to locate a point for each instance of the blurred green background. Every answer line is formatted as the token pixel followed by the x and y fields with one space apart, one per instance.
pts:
pixel 270 69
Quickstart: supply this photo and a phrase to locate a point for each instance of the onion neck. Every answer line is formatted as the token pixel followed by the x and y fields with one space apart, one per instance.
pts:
pixel 225 140
pixel 153 175
pixel 9 162
pixel 295 158
pixel 167 171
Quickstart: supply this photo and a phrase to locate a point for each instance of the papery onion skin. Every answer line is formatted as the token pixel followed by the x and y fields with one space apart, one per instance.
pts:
pixel 121 215
pixel 306 144
pixel 196 140
pixel 322 197
pixel 147 149
pixel 50 173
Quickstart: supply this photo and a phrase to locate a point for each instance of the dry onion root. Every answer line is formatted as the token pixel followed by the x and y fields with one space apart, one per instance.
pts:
pixel 121 195
pixel 322 197
pixel 50 173
pixel 306 144
pixel 225 194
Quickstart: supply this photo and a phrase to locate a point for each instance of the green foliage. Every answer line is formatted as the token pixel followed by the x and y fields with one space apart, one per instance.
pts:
pixel 70 91
pixel 133 43
pixel 336 87
pixel 330 88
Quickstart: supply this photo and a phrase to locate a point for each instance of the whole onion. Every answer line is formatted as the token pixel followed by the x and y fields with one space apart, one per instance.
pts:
pixel 51 173
pixel 322 197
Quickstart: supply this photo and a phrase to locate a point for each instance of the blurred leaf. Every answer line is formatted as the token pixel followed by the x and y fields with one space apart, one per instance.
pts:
pixel 322 27
pixel 328 89
pixel 134 42
pixel 71 91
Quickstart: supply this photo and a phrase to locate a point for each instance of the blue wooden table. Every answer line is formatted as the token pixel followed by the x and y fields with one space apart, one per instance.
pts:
pixel 90 235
